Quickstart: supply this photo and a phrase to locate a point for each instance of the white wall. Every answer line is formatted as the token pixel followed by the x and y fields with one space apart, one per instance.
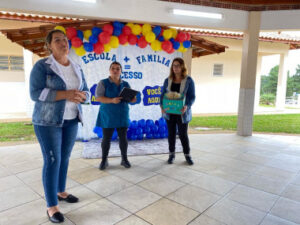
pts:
pixel 220 94
pixel 217 94
pixel 12 97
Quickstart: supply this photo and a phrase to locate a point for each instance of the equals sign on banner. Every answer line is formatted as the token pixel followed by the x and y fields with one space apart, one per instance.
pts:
pixel 127 67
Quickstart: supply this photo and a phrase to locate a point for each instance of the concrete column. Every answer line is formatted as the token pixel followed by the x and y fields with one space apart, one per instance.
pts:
pixel 257 83
pixel 248 75
pixel 282 82
pixel 187 57
pixel 28 64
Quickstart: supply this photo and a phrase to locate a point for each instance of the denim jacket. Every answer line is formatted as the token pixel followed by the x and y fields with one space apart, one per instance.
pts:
pixel 187 88
pixel 45 80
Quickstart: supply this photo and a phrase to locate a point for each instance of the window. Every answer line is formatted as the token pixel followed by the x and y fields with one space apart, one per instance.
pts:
pixel 218 70
pixel 11 63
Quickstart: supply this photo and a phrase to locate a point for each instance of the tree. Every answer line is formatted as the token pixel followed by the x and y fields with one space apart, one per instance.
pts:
pixel 269 82
pixel 293 83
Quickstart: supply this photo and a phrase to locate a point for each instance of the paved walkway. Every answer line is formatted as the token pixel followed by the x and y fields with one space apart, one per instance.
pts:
pixel 235 181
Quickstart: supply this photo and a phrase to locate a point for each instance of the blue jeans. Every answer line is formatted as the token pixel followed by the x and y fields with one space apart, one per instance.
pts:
pixel 56 145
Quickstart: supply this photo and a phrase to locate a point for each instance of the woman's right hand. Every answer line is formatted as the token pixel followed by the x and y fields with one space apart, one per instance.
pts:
pixel 116 100
pixel 163 111
pixel 75 96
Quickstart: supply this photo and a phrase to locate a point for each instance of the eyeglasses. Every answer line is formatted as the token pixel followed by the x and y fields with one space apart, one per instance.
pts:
pixel 176 65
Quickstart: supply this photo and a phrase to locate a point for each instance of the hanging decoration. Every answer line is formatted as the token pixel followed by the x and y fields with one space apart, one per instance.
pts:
pixel 99 40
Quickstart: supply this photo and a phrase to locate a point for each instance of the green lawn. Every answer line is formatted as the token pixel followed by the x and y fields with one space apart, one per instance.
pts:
pixel 280 123
pixel 19 131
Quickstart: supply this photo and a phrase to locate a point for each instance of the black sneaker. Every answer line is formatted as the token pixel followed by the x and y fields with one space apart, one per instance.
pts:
pixel 103 164
pixel 189 160
pixel 125 163
pixel 171 159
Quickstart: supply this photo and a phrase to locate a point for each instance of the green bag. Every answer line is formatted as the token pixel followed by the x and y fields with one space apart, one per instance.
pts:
pixel 173 106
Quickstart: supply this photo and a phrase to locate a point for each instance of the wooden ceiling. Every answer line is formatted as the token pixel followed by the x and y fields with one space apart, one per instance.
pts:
pixel 33 38
pixel 248 5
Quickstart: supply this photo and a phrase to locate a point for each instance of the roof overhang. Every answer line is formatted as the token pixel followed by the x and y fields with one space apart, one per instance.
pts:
pixel 33 39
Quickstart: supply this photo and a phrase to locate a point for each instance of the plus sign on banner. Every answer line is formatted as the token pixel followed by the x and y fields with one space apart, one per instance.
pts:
pixel 145 71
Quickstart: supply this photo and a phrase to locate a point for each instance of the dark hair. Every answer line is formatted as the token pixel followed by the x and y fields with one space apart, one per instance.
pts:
pixel 182 65
pixel 115 63
pixel 50 36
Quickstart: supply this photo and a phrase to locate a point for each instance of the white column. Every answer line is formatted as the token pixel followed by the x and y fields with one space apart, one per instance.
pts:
pixel 28 63
pixel 257 83
pixel 282 82
pixel 187 57
pixel 248 75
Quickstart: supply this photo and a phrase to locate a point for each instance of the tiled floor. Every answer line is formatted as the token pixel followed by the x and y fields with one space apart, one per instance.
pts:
pixel 235 181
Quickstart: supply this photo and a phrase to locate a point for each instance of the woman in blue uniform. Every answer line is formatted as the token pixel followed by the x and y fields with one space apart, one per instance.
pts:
pixel 113 113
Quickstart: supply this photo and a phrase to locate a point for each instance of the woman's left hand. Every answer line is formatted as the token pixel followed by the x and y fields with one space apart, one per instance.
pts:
pixel 133 100
pixel 183 109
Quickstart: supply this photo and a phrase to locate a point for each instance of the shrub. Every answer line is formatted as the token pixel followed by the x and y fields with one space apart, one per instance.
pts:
pixel 267 99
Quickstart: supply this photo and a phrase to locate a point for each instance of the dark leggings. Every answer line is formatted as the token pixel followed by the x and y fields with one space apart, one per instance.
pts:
pixel 123 143
pixel 175 120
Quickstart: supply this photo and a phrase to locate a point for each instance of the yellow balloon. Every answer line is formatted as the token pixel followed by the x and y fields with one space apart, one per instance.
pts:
pixel 150 37
pixel 114 42
pixel 80 51
pixel 60 28
pixel 146 28
pixel 167 34
pixel 107 48
pixel 87 34
pixel 136 29
pixel 174 32
pixel 156 45
pixel 180 49
pixel 184 49
pixel 130 25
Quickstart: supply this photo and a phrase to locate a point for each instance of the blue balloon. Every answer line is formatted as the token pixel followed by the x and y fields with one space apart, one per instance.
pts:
pixel 139 130
pixel 142 123
pixel 161 39
pixel 156 135
pixel 172 40
pixel 162 122
pixel 133 137
pixel 96 31
pixel 88 47
pixel 149 123
pixel 117 31
pixel 147 129
pixel 70 44
pixel 115 135
pixel 187 44
pixel 117 24
pixel 134 124
pixel 156 30
pixel 149 136
pixel 80 34
pixel 176 45
pixel 156 123
pixel 93 39
pixel 154 129
pixel 140 137
pixel 162 130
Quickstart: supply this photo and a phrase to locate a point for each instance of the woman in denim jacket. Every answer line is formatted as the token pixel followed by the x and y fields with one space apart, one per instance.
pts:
pixel 179 81
pixel 57 86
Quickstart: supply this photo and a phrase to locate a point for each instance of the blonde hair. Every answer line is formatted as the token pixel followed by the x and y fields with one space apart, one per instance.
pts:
pixel 183 68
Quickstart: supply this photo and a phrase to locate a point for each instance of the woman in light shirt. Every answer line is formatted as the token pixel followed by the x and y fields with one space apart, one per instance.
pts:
pixel 57 86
